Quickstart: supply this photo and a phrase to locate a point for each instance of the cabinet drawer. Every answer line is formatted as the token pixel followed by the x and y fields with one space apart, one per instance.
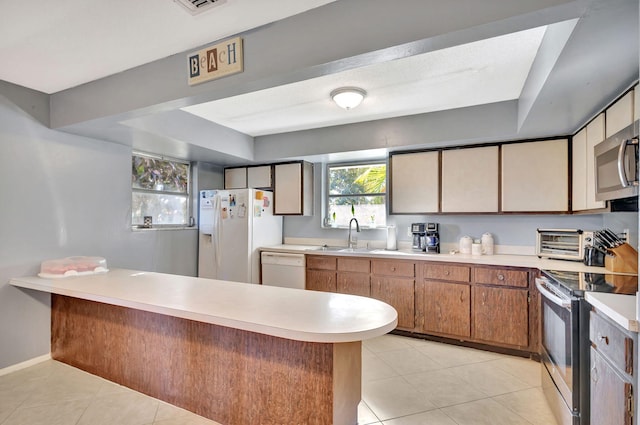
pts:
pixel 392 268
pixel 612 342
pixel 321 263
pixel 503 277
pixel 447 272
pixel 359 265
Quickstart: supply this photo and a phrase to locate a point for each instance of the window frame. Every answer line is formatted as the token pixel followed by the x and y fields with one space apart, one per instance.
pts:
pixel 327 191
pixel 187 194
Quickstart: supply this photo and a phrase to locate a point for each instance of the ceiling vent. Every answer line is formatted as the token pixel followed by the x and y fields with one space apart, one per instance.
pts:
pixel 196 7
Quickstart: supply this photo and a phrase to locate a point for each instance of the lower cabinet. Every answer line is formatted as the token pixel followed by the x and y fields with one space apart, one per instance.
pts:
pixel 501 307
pixel 398 293
pixel 446 308
pixel 338 274
pixel 321 280
pixel 321 273
pixel 393 281
pixel 353 276
pixel 446 300
pixel 475 303
pixel 613 356
pixel 611 395
pixel 501 315
pixel 353 284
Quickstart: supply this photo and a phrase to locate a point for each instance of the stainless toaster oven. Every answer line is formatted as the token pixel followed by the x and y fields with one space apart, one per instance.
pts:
pixel 564 244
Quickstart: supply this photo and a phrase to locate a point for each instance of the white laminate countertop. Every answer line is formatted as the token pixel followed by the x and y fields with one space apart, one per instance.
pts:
pixel 282 312
pixel 619 308
pixel 529 261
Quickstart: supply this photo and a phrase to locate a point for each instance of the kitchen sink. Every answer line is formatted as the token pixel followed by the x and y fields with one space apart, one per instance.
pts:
pixel 355 250
pixel 339 249
pixel 326 248
pixel 388 252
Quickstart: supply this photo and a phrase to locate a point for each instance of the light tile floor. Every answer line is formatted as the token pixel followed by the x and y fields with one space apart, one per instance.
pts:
pixel 406 381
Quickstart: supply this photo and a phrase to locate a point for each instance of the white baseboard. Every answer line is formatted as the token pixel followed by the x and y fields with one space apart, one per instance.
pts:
pixel 25 364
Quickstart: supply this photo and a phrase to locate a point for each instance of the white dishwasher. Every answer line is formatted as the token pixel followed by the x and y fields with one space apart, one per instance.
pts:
pixel 283 269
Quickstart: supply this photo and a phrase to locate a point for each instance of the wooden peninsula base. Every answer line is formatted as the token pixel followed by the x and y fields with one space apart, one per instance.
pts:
pixel 233 376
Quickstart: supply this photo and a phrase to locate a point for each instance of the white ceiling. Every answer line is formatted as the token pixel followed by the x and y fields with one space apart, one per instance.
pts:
pixel 51 46
pixel 560 74
pixel 81 41
pixel 486 71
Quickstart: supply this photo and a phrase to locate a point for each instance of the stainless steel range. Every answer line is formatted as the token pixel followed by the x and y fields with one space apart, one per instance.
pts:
pixel 565 337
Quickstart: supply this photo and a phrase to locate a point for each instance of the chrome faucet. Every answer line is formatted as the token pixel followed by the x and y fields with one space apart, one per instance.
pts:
pixel 352 244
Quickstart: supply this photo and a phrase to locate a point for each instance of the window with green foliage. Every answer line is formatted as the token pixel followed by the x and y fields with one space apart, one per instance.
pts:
pixel 357 190
pixel 160 190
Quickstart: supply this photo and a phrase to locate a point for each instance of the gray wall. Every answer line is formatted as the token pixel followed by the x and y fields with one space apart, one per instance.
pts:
pixel 65 195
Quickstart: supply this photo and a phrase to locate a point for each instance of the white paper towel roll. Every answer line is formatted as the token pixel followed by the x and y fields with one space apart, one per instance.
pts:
pixel 391 238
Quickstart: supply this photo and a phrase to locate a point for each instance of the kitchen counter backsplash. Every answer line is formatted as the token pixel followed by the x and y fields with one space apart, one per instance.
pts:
pixel 513 234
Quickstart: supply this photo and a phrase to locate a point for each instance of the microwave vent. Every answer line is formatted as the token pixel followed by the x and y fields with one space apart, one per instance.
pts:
pixel 196 7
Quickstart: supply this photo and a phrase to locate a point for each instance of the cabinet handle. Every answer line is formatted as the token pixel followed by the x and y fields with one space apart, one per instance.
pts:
pixel 461 296
pixel 446 272
pixel 501 277
pixel 594 373
pixel 393 269
pixel 484 298
pixel 604 338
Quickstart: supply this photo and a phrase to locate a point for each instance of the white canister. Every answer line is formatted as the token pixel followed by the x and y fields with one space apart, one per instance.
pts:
pixel 487 244
pixel 476 248
pixel 465 244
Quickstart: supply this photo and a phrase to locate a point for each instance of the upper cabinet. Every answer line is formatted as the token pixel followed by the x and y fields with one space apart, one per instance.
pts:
pixel 292 184
pixel 415 182
pixel 580 169
pixel 470 179
pixel 259 177
pixel 583 195
pixel 620 114
pixel 595 135
pixel 253 177
pixel 293 188
pixel 535 176
pixel 235 178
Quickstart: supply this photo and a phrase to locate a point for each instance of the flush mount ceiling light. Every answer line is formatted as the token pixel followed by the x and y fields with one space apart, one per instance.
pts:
pixel 348 97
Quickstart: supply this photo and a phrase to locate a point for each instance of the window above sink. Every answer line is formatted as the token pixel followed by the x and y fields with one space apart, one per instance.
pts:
pixel 356 190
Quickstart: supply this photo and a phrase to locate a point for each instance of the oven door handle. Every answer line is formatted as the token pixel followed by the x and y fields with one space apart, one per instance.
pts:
pixel 552 296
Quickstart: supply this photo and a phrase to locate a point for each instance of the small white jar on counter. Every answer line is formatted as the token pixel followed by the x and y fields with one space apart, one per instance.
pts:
pixel 487 244
pixel 465 244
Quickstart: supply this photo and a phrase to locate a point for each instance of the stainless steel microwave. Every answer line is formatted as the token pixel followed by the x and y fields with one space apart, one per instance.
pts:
pixel 616 165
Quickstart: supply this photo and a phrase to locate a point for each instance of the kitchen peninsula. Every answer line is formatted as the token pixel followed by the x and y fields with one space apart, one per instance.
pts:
pixel 236 353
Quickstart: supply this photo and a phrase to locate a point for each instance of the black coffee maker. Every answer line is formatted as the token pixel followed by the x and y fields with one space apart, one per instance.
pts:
pixel 432 238
pixel 418 232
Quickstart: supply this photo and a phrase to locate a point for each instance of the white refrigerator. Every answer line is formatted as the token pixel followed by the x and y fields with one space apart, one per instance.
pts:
pixel 233 225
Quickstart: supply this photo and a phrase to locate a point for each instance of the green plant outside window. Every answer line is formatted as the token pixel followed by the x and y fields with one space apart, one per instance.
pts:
pixel 160 190
pixel 357 190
